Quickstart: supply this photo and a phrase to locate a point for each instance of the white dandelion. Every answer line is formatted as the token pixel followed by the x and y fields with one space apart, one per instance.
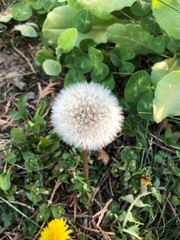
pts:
pixel 87 115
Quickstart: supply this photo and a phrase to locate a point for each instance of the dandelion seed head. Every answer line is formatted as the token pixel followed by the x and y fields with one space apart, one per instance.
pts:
pixel 87 115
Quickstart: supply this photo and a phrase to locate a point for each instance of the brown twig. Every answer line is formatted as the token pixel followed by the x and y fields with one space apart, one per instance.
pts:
pixel 23 56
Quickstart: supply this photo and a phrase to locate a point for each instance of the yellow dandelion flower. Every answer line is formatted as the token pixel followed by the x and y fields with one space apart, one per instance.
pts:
pixel 146 181
pixel 57 229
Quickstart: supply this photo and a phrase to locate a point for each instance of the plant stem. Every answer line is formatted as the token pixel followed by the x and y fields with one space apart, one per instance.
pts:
pixel 85 165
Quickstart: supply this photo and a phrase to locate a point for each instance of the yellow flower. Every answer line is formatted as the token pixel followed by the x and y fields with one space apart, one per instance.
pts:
pixel 57 229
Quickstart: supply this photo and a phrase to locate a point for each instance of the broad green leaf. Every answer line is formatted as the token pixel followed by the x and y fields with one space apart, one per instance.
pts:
pixel 83 21
pixel 44 54
pixel 167 101
pixel 83 64
pixel 52 67
pixel 57 21
pixel 160 69
pixel 21 11
pixel 105 5
pixel 141 8
pixel 137 84
pixel 67 41
pixel 100 71
pixel 167 14
pixel 95 55
pixel 61 18
pixel 18 135
pixel 73 76
pixel 134 36
pixel 27 29
pixel 145 106
pixel 5 182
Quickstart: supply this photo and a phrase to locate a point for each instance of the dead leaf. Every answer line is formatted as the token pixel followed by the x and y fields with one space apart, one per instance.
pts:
pixel 103 156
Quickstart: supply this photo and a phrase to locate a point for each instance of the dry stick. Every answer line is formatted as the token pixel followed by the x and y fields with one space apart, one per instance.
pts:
pixel 85 165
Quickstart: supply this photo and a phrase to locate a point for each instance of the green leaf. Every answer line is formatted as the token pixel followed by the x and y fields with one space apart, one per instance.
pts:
pixel 83 64
pixel 18 135
pixel 126 68
pixel 133 231
pixel 73 76
pixel 95 55
pixel 27 29
pixel 141 8
pixel 105 6
pixel 32 161
pixel 160 69
pixel 57 21
pixel 149 24
pixel 67 41
pixel 83 21
pixel 21 11
pixel 44 54
pixel 167 101
pixel 167 14
pixel 115 56
pixel 37 124
pixel 132 35
pixel 100 71
pixel 52 67
pixel 5 182
pixel 127 53
pixel 58 210
pixel 145 106
pixel 137 84
pixel 21 104
pixel 10 157
pixel 109 82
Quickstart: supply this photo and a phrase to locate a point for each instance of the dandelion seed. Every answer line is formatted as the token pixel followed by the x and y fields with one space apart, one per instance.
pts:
pixel 57 229
pixel 87 115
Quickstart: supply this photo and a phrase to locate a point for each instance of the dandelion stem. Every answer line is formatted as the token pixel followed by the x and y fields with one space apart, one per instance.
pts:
pixel 85 165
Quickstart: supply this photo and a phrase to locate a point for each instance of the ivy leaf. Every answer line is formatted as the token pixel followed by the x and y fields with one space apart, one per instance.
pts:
pixel 167 15
pixel 167 100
